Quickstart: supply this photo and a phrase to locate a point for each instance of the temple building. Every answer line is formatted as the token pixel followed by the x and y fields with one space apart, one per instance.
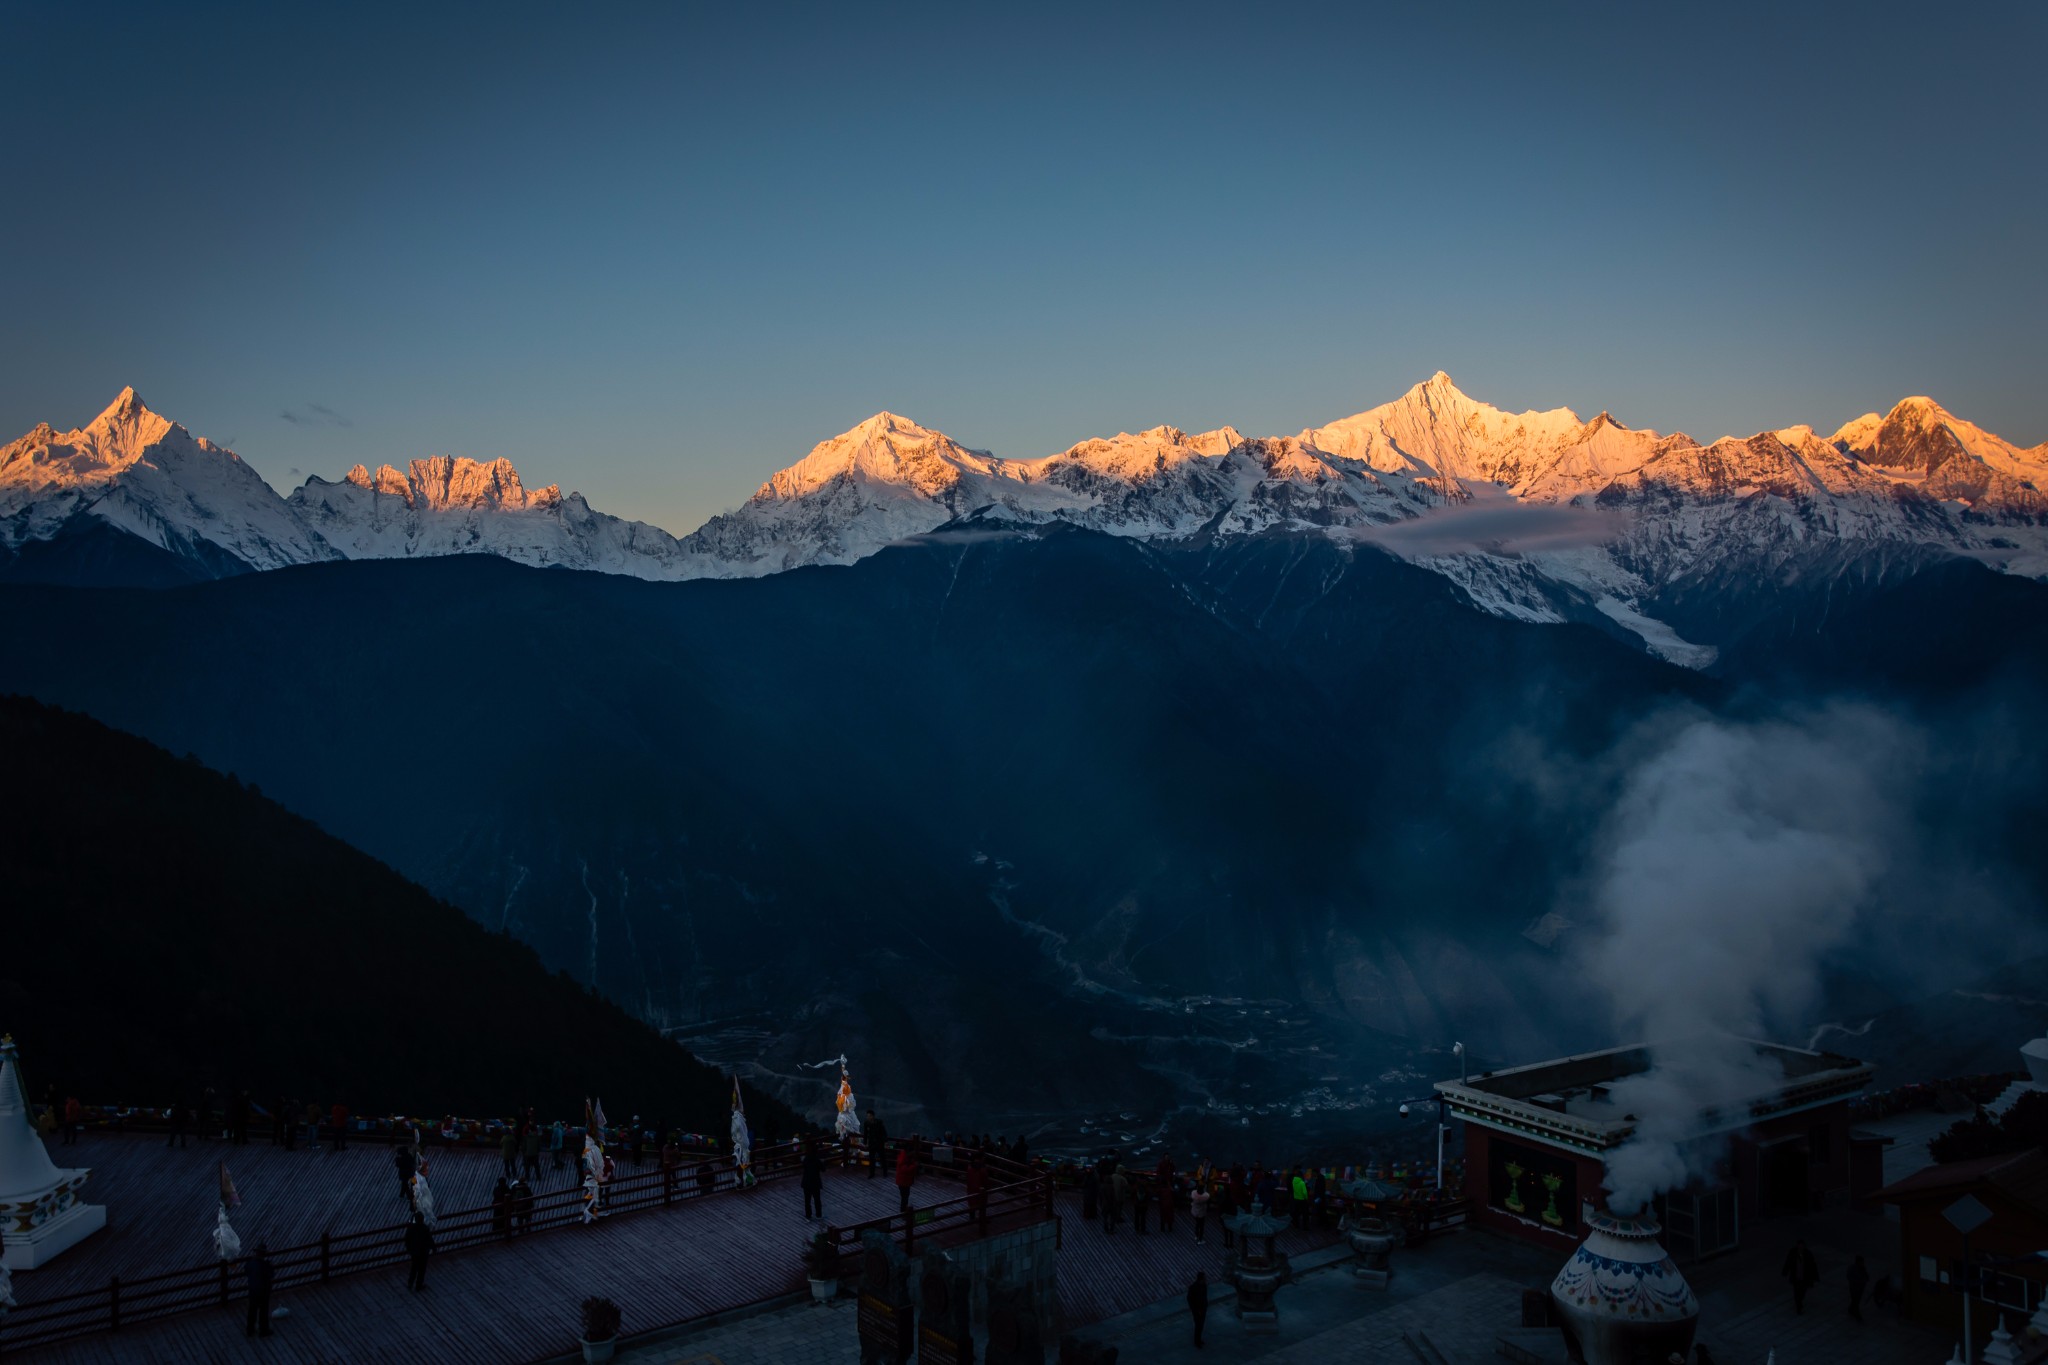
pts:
pixel 40 1213
pixel 2007 1224
pixel 1538 1137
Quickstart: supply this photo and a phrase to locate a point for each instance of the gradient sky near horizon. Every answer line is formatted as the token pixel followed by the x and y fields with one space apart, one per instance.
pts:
pixel 655 253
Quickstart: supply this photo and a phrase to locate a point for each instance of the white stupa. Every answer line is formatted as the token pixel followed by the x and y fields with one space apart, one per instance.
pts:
pixel 2035 1055
pixel 39 1210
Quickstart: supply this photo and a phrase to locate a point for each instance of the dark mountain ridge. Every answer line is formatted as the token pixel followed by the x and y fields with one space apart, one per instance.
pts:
pixel 1265 817
pixel 173 928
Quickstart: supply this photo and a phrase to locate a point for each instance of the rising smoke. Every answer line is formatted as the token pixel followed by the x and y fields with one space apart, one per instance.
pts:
pixel 1738 860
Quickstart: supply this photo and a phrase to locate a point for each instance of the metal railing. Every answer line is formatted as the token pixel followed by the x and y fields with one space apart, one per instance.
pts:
pixel 1013 1188
pixel 126 1302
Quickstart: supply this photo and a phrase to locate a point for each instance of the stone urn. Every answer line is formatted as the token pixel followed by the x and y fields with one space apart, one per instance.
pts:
pixel 1257 1268
pixel 1372 1239
pixel 1620 1298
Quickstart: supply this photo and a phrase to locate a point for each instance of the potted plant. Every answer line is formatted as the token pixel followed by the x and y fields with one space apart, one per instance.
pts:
pixel 600 1329
pixel 821 1265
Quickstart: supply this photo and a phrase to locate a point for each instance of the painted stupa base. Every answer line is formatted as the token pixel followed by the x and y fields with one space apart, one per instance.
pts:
pixel 45 1240
pixel 1621 1299
pixel 40 1213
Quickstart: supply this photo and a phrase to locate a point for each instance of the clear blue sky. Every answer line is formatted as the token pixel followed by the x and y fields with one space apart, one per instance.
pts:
pixel 655 253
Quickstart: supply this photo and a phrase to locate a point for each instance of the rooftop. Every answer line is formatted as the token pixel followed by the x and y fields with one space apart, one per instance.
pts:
pixel 1566 1101
pixel 2021 1176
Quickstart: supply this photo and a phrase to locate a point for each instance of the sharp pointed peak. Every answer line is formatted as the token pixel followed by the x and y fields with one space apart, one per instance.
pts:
pixel 126 406
pixel 1439 384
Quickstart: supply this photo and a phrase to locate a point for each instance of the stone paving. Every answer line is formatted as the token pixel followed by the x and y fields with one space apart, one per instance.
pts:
pixel 803 1334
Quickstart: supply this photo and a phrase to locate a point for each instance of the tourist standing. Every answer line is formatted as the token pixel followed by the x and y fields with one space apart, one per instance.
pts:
pixel 176 1114
pixel 906 1176
pixel 1198 1209
pixel 74 1120
pixel 522 1205
pixel 813 1181
pixel 1119 1198
pixel 557 1136
pixel 1298 1187
pixel 1859 1280
pixel 529 1149
pixel 404 1160
pixel 521 1196
pixel 878 1143
pixel 419 1244
pixel 1226 1207
pixel 312 1126
pixel 1198 1303
pixel 338 1116
pixel 501 1207
pixel 260 1275
pixel 977 1191
pixel 1802 1271
pixel 283 1132
pixel 508 1151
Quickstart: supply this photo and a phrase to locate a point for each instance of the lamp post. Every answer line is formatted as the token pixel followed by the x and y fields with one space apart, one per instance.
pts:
pixel 1442 1126
pixel 1966 1215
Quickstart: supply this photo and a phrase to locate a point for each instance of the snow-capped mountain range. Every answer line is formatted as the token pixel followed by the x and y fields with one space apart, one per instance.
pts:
pixel 1537 515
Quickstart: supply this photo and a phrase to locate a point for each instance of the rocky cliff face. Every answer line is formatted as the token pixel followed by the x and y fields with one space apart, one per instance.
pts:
pixel 446 505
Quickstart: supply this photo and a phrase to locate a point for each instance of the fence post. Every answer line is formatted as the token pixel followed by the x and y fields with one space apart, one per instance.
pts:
pixel 909 1230
pixel 114 1304
pixel 326 1253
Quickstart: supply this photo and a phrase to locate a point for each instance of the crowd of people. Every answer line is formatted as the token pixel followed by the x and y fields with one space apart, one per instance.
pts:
pixel 1113 1195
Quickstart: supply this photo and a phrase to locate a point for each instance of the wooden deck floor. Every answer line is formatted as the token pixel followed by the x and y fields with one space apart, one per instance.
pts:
pixel 514 1301
pixel 160 1200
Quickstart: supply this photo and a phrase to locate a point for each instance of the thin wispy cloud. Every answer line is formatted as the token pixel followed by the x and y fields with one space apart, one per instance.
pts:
pixel 1498 527
pixel 315 415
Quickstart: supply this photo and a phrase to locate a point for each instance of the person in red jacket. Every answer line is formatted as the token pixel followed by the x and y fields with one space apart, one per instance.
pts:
pixel 906 1176
pixel 74 1120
